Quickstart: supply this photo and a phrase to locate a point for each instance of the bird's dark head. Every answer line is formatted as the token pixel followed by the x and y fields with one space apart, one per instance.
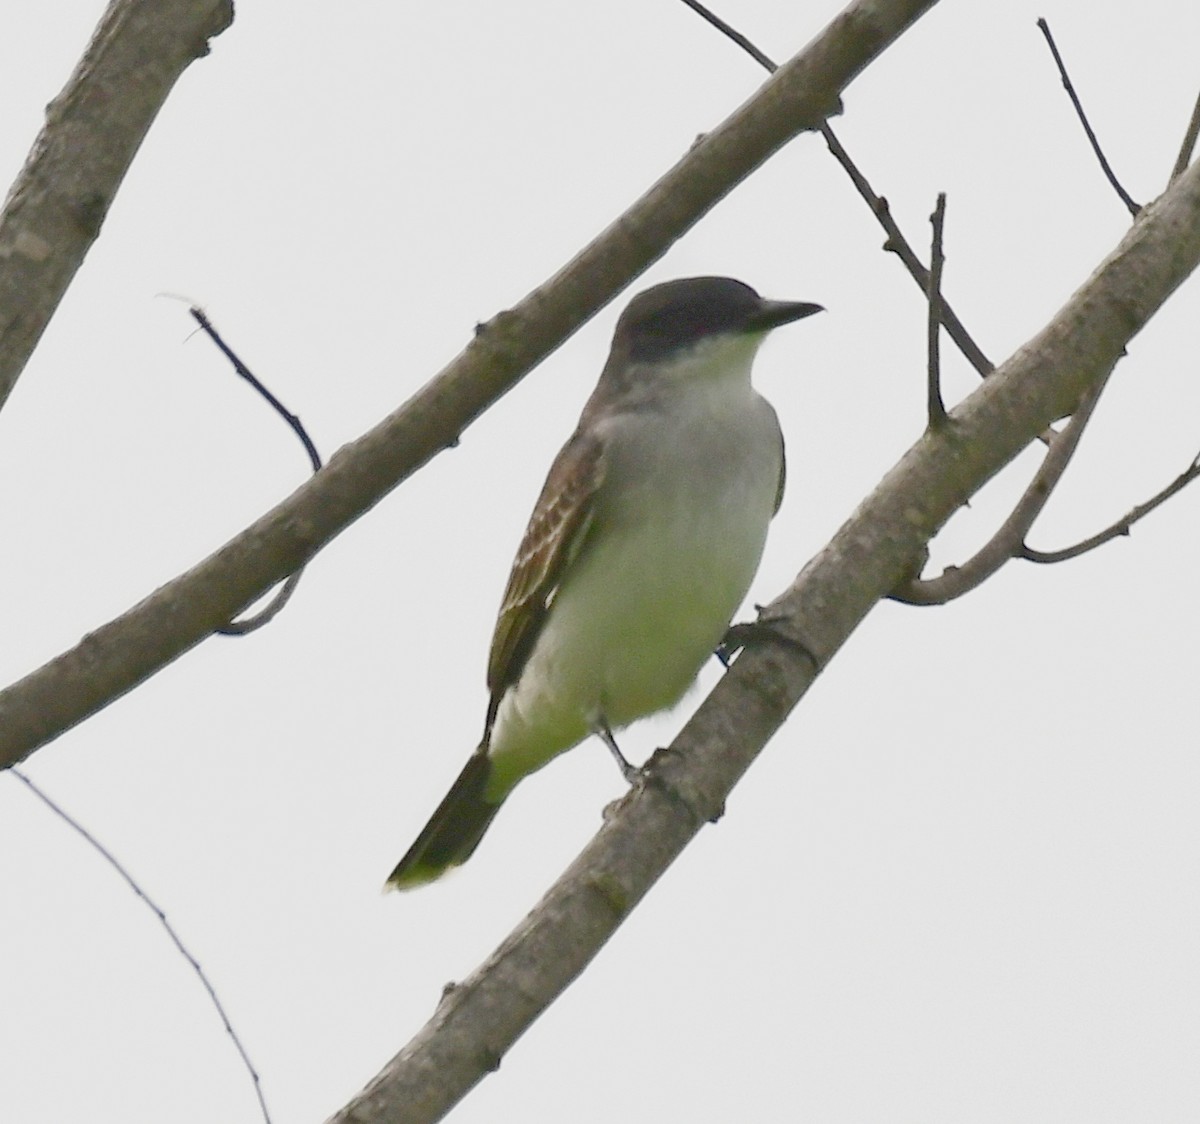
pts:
pixel 677 315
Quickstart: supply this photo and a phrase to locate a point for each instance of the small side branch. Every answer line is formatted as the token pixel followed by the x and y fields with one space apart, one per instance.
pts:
pixel 1189 143
pixel 1121 526
pixel 201 318
pixel 154 908
pixel 1133 208
pixel 937 259
pixel 897 244
pixel 275 606
pixel 1009 541
pixel 732 33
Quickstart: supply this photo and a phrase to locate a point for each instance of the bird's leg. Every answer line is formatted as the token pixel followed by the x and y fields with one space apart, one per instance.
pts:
pixel 630 772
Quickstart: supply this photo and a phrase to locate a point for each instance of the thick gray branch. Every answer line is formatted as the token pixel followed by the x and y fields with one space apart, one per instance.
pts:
pixel 119 655
pixel 93 129
pixel 481 1018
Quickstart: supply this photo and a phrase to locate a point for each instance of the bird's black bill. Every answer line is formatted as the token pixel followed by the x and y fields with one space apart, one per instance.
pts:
pixel 773 314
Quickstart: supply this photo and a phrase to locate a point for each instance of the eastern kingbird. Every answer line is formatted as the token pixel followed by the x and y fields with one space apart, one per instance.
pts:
pixel 641 547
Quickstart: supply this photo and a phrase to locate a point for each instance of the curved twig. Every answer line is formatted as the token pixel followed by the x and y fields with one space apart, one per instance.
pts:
pixel 1120 527
pixel 154 908
pixel 270 611
pixel 1009 540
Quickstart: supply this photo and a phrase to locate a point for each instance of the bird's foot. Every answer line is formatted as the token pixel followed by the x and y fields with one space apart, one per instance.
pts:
pixel 631 773
pixel 768 630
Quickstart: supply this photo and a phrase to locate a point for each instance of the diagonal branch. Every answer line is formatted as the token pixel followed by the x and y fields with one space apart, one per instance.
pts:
pixel 93 130
pixel 1105 167
pixel 897 244
pixel 730 32
pixel 172 933
pixel 480 1018
pixel 119 655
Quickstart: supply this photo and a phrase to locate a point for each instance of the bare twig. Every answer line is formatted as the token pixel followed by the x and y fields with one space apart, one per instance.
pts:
pixel 1121 526
pixel 1009 540
pixel 733 34
pixel 1133 208
pixel 201 318
pixel 896 242
pixel 936 407
pixel 154 908
pixel 270 611
pixel 1189 143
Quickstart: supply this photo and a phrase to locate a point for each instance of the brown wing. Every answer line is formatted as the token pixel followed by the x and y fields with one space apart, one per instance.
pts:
pixel 557 526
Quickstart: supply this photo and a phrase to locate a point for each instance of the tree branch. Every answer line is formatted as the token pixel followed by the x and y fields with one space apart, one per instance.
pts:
pixel 119 655
pixel 172 933
pixel 897 244
pixel 730 32
pixel 479 1019
pixel 93 130
pixel 1105 167
pixel 1121 526
pixel 244 626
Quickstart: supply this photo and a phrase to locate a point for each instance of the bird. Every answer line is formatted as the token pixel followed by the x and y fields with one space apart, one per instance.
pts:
pixel 641 547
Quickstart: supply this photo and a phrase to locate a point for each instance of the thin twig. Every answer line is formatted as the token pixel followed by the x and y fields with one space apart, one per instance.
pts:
pixel 936 406
pixel 273 608
pixel 154 908
pixel 733 34
pixel 896 242
pixel 314 458
pixel 1134 208
pixel 1009 540
pixel 1121 526
pixel 1189 143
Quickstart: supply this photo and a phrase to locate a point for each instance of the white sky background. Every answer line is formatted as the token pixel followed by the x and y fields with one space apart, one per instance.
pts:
pixel 960 885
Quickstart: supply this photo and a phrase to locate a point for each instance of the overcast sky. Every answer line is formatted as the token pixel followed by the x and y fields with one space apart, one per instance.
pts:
pixel 963 882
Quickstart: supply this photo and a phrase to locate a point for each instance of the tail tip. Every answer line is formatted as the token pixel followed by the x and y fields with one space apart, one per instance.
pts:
pixel 411 875
pixel 453 832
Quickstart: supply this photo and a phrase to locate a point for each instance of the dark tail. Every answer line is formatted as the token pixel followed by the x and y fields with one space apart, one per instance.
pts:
pixel 453 831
